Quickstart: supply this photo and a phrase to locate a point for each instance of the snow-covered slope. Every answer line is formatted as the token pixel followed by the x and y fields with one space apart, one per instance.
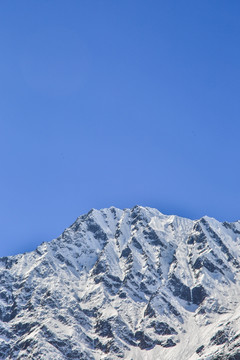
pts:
pixel 130 284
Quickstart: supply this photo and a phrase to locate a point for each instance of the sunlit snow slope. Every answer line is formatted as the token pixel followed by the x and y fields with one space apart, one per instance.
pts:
pixel 131 284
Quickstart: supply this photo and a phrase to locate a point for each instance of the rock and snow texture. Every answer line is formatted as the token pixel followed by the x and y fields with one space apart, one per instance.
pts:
pixel 131 284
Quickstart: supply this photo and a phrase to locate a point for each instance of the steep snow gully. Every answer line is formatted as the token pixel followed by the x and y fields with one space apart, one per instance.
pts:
pixel 125 284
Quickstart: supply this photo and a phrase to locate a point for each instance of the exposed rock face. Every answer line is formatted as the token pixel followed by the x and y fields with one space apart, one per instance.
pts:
pixel 130 284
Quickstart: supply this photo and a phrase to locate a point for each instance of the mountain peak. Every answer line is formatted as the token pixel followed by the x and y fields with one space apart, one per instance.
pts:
pixel 131 283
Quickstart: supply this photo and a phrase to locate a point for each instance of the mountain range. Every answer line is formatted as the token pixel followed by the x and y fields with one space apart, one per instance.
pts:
pixel 125 284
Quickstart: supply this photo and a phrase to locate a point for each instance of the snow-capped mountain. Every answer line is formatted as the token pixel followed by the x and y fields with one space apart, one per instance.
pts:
pixel 131 284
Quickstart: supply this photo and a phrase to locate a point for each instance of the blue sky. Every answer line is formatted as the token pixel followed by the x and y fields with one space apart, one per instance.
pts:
pixel 120 103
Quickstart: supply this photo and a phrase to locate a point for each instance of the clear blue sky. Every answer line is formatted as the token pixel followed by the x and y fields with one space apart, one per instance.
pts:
pixel 107 102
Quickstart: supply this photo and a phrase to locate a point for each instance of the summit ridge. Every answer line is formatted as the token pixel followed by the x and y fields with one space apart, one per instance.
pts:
pixel 125 284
